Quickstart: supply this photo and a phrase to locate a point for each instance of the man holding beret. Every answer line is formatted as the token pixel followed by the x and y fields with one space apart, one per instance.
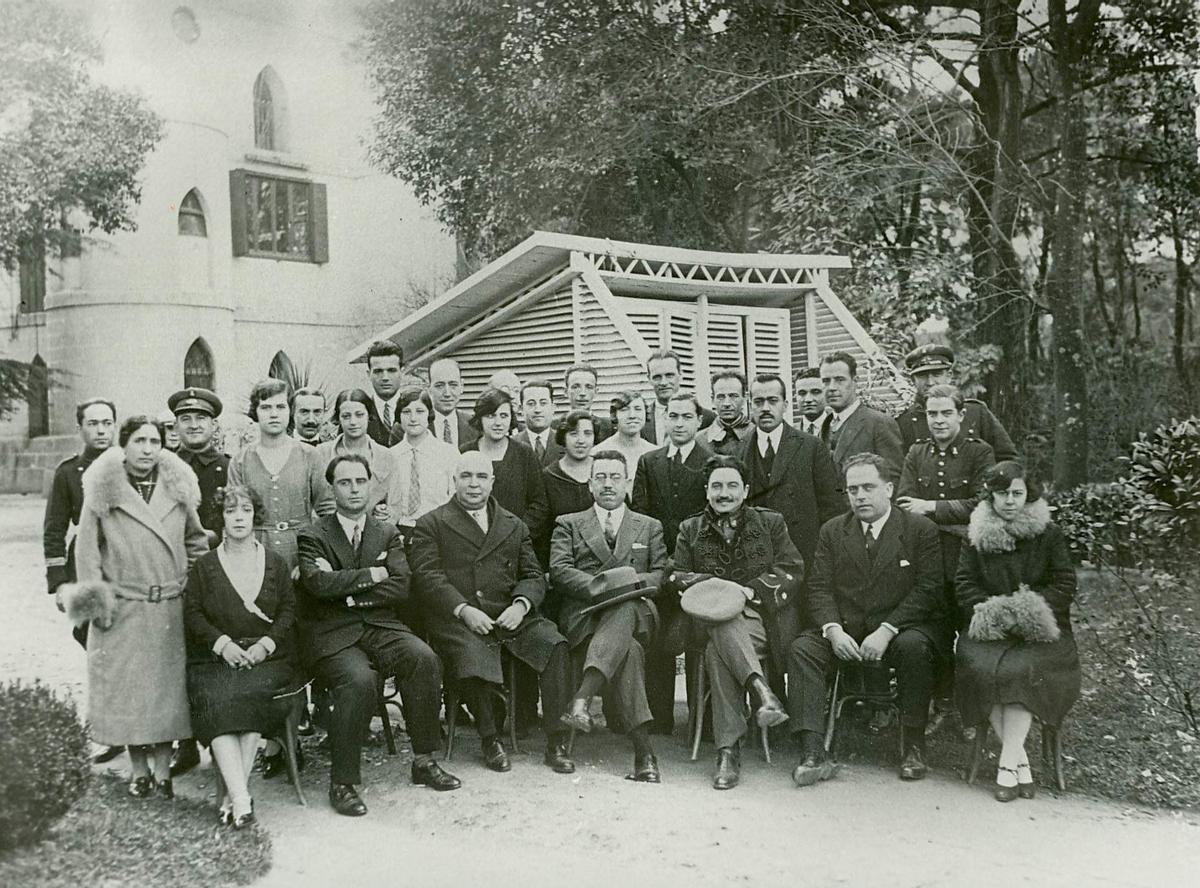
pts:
pixel 196 411
pixel 750 550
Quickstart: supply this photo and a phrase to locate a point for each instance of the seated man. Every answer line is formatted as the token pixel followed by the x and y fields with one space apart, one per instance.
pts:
pixel 609 642
pixel 875 591
pixel 353 576
pixel 479 583
pixel 749 547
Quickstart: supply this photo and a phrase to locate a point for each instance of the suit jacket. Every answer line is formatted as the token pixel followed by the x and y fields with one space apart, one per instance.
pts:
pixel 212 608
pixel 802 487
pixel 384 437
pixel 553 452
pixel 335 607
pixel 900 584
pixel 670 501
pixel 456 563
pixel 707 418
pixel 867 431
pixel 578 552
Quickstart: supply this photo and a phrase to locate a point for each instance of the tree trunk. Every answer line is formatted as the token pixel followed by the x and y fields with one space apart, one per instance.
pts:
pixel 1183 286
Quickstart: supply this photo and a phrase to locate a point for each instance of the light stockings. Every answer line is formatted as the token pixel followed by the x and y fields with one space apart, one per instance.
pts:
pixel 1012 722
pixel 234 755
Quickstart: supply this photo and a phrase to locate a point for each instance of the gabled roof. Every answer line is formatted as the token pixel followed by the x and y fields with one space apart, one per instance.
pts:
pixel 630 268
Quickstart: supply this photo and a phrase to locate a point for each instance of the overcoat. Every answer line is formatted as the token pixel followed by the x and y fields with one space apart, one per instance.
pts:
pixel 867 430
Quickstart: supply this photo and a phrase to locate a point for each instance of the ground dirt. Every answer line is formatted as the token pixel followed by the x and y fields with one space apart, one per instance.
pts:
pixel 534 828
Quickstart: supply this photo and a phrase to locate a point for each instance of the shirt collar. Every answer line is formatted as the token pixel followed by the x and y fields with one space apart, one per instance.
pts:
pixel 379 402
pixel 618 514
pixel 348 524
pixel 544 434
pixel 686 449
pixel 774 436
pixel 843 415
pixel 877 525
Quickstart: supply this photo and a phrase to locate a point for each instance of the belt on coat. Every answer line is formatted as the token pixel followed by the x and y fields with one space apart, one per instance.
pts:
pixel 151 594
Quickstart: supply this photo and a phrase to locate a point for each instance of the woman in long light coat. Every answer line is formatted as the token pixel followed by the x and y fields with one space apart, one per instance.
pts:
pixel 138 533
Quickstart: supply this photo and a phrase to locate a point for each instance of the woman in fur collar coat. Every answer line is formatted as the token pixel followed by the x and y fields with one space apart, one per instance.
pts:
pixel 138 532
pixel 1014 548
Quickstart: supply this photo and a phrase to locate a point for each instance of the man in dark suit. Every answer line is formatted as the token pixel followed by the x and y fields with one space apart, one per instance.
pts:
pixel 875 591
pixel 663 371
pixel 609 643
pixel 853 426
pixel 810 401
pixel 669 486
pixel 789 472
pixel 445 389
pixel 480 583
pixel 579 380
pixel 537 402
pixel 353 578
pixel 384 360
pixel 308 415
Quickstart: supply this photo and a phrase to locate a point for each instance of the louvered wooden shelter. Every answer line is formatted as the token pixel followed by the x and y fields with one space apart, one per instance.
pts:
pixel 557 299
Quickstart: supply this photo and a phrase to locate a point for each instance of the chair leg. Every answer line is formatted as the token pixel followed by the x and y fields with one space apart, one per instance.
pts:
pixel 766 744
pixel 451 722
pixel 1060 779
pixel 831 721
pixel 701 700
pixel 900 722
pixel 289 751
pixel 510 704
pixel 977 745
pixel 388 736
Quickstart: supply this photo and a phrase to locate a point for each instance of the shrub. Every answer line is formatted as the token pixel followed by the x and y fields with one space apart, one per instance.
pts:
pixel 1106 523
pixel 1165 465
pixel 44 760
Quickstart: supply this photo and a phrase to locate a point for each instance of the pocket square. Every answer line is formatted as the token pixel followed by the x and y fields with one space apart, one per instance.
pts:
pixel 382 556
pixel 904 562
pixel 639 546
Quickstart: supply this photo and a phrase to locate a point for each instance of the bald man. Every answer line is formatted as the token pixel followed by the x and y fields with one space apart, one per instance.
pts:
pixel 480 583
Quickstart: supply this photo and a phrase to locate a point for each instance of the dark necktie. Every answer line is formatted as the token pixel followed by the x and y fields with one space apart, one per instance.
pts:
pixel 356 539
pixel 610 534
pixel 768 458
pixel 869 541
pixel 447 435
pixel 538 447
pixel 387 416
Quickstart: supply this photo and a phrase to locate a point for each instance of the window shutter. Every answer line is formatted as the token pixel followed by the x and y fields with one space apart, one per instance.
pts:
pixel 769 348
pixel 237 212
pixel 726 342
pixel 318 215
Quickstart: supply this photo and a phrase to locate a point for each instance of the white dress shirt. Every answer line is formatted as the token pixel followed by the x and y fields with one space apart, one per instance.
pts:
pixel 838 417
pixel 618 515
pixel 775 436
pixel 349 524
pixel 660 423
pixel 685 450
pixel 390 403
pixel 532 438
pixel 813 426
pixel 439 423
pixel 480 517
pixel 435 466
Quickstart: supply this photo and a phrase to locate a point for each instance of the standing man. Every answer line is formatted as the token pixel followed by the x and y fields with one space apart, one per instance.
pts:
pixel 580 381
pixel 875 591
pixel 384 360
pixel 96 420
pixel 933 364
pixel 853 426
pixel 308 415
pixel 353 578
pixel 669 486
pixel 445 388
pixel 537 401
pixel 733 425
pixel 789 472
pixel 663 371
pixel 480 583
pixel 588 551
pixel 196 411
pixel 810 401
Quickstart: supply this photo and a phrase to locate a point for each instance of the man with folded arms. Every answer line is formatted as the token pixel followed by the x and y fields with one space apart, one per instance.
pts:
pixel 750 550
pixel 353 577
pixel 599 560
pixel 480 581
pixel 875 591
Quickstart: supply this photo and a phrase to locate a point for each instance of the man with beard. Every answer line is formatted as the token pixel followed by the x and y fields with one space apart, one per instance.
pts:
pixel 308 415
pixel 853 426
pixel 663 371
pixel 810 401
pixel 445 388
pixel 580 382
pixel 196 411
pixel 733 423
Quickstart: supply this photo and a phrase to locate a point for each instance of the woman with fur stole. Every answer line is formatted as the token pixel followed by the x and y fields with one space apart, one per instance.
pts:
pixel 138 532
pixel 1016 656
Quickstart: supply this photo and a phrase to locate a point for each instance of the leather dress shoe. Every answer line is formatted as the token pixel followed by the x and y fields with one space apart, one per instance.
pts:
pixel 345 800
pixel 274 765
pixel 558 760
pixel 645 769
pixel 913 767
pixel 185 757
pixel 771 712
pixel 495 757
pixel 1026 789
pixel 729 768
pixel 141 787
pixel 1006 793
pixel 305 726
pixel 577 716
pixel 431 775
pixel 164 789
pixel 814 768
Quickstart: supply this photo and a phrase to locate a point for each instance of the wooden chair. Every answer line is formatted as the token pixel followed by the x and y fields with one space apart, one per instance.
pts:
pixel 701 696
pixel 850 685
pixel 507 694
pixel 1052 752
pixel 386 700
pixel 289 740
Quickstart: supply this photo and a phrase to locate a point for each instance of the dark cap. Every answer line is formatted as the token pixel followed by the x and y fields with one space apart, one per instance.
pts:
pixel 927 358
pixel 200 400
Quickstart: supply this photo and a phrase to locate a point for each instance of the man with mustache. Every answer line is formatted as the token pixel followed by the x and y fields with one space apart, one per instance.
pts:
pixel 308 415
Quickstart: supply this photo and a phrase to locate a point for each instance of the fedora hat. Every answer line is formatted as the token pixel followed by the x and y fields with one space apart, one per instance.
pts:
pixel 713 600
pixel 613 586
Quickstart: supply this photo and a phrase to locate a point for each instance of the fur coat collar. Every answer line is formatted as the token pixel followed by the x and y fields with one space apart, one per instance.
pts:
pixel 105 485
pixel 988 532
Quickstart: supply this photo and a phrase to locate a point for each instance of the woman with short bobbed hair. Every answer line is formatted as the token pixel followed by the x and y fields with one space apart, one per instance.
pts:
pixel 138 532
pixel 1016 656
pixel 351 414
pixel 518 485
pixel 629 417
pixel 240 614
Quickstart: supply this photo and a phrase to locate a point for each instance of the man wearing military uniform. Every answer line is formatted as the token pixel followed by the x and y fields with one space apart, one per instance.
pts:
pixel 196 411
pixel 930 365
pixel 97 419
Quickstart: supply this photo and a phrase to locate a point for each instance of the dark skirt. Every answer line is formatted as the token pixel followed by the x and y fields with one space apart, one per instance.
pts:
pixel 236 701
pixel 1042 677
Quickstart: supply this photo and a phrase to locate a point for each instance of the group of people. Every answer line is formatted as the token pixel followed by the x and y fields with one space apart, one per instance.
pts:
pixel 577 555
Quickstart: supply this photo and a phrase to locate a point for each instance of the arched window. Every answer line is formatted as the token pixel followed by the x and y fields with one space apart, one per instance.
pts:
pixel 39 398
pixel 198 370
pixel 191 216
pixel 264 112
pixel 283 368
